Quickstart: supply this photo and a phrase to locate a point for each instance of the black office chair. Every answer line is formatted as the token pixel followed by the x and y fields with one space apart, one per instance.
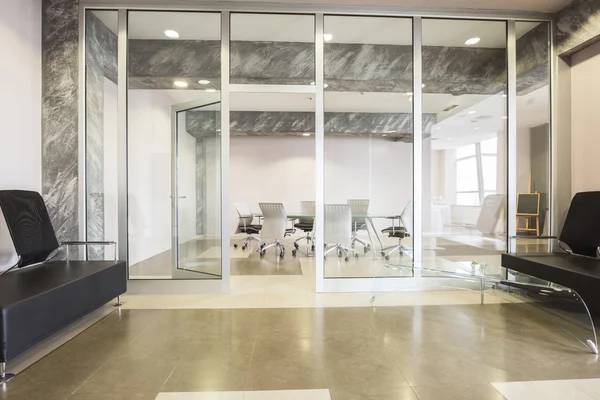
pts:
pixel 31 229
pixel 399 232
pixel 306 224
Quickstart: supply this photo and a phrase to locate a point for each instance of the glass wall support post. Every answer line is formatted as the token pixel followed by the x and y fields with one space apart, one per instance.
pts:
pixel 417 145
pixel 122 213
pixel 319 147
pixel 511 153
pixel 225 97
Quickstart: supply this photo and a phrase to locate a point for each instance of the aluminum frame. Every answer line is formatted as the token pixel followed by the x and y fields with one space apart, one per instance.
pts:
pixel 511 147
pixel 225 8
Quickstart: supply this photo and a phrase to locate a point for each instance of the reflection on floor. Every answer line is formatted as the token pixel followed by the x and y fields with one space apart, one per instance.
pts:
pixel 412 352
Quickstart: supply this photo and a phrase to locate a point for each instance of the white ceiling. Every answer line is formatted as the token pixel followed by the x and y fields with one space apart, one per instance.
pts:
pixel 300 28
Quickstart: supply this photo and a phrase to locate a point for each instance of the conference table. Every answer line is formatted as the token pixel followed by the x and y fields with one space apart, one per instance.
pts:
pixel 293 216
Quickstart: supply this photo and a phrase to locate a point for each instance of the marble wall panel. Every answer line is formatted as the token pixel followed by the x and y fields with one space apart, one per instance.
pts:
pixel 201 207
pixel 533 62
pixel 60 42
pixel 248 123
pixel 578 26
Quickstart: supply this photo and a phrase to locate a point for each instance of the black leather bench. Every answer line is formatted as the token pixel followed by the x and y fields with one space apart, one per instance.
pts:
pixel 577 265
pixel 38 301
pixel 40 295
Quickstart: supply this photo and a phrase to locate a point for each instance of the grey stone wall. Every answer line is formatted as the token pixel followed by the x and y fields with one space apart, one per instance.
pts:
pixel 578 26
pixel 60 43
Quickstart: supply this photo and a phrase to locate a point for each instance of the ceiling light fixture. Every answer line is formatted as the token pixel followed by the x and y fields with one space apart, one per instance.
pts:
pixel 170 33
pixel 210 90
pixel 306 134
pixel 180 84
pixel 472 41
pixel 328 37
pixel 203 81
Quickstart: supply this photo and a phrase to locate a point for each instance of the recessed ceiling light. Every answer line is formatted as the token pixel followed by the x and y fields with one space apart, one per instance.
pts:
pixel 210 90
pixel 472 112
pixel 180 84
pixel 306 134
pixel 171 34
pixel 423 85
pixel 203 82
pixel 328 37
pixel 472 41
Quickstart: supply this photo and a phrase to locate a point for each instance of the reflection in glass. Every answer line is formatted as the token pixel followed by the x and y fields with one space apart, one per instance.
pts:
pixel 369 142
pixel 101 129
pixel 464 149
pixel 533 119
pixel 167 71
pixel 272 49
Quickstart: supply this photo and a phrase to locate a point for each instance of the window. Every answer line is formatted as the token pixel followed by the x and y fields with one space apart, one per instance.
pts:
pixel 476 172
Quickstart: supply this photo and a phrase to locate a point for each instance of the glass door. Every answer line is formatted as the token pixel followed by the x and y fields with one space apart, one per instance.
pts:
pixel 197 190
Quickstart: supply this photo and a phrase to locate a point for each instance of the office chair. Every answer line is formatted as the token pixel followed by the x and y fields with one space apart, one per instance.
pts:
pixel 400 232
pixel 359 207
pixel 274 227
pixel 307 223
pixel 245 225
pixel 338 229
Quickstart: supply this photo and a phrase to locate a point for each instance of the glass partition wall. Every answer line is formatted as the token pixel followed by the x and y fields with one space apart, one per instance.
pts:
pixel 317 114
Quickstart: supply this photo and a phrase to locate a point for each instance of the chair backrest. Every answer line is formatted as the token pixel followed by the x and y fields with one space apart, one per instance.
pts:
pixel 581 231
pixel 308 208
pixel 29 225
pixel 274 220
pixel 359 207
pixel 338 224
pixel 406 218
pixel 245 215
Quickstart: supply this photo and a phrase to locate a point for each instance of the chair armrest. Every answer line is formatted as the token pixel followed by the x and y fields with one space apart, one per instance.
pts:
pixel 78 243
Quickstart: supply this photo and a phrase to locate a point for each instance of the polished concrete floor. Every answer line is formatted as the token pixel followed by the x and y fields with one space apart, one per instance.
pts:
pixel 461 351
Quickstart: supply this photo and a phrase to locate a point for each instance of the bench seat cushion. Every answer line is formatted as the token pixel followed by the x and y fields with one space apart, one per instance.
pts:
pixel 581 274
pixel 38 301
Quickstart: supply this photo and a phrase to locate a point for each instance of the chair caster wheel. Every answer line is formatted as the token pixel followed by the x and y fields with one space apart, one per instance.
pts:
pixel 312 247
pixel 383 254
pixel 262 253
pixel 347 259
pixel 243 247
pixel 297 246
pixel 235 246
pixel 356 255
pixel 387 257
pixel 366 250
pixel 294 253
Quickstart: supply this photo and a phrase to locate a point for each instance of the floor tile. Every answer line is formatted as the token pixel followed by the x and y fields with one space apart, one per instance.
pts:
pixel 589 386
pixel 547 390
pixel 202 396
pixel 354 392
pixel 316 394
pixel 460 390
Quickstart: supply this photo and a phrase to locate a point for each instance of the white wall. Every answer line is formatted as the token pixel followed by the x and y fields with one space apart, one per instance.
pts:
pixel 20 103
pixel 585 119
pixel 282 169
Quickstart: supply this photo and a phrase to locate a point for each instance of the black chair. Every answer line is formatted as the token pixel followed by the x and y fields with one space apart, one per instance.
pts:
pixel 399 232
pixel 307 223
pixel 575 263
pixel 34 292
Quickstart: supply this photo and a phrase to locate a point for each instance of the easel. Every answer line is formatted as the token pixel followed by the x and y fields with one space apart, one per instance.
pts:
pixel 528 207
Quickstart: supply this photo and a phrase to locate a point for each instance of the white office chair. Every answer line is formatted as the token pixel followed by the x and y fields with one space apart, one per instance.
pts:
pixel 274 227
pixel 245 225
pixel 307 223
pixel 359 207
pixel 338 229
pixel 400 232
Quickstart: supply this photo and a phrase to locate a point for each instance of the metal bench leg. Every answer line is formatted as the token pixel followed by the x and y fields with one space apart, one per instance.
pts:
pixel 4 377
pixel 119 303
